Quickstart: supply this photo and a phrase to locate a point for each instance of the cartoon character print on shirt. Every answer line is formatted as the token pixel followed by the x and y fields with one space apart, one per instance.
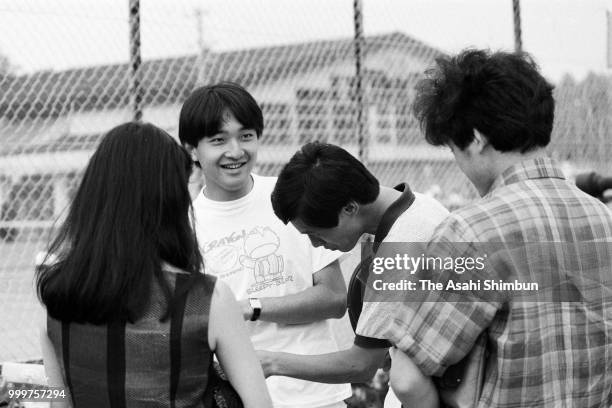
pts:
pixel 222 260
pixel 261 259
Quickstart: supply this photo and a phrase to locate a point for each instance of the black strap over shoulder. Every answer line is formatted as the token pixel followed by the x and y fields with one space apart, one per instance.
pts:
pixel 356 288
pixel 397 208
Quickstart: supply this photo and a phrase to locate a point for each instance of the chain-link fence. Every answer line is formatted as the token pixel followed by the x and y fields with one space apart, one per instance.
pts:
pixel 297 58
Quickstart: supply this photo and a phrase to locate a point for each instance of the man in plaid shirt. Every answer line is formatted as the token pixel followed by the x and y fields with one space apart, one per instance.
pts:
pixel 495 112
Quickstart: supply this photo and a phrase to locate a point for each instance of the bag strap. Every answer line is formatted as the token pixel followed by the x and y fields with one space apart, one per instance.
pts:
pixel 356 287
pixel 394 211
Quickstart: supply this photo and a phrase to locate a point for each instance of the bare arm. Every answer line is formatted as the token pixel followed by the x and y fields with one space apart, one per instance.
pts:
pixel 326 299
pixel 53 369
pixel 228 337
pixel 409 384
pixel 354 365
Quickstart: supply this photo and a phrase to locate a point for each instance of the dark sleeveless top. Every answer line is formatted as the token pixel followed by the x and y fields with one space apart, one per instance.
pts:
pixel 145 364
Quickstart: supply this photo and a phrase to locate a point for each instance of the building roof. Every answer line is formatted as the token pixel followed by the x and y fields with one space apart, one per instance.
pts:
pixel 169 80
pixel 257 66
pixel 53 93
pixel 30 104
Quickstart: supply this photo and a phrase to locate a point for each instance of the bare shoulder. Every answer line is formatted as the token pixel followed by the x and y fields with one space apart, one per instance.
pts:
pixel 222 294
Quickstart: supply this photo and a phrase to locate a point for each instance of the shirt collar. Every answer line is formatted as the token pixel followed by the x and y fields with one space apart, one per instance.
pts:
pixel 540 167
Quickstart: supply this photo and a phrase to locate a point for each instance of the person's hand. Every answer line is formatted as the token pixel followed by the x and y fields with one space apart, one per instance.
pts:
pixel 245 307
pixel 266 358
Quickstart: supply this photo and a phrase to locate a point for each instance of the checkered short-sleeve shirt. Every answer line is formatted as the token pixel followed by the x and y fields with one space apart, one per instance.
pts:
pixel 544 354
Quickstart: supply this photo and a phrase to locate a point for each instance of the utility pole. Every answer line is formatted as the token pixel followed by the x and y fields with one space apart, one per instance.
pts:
pixel 359 45
pixel 136 91
pixel 518 40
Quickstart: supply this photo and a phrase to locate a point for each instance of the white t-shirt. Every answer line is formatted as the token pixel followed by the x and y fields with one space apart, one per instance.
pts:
pixel 419 221
pixel 249 248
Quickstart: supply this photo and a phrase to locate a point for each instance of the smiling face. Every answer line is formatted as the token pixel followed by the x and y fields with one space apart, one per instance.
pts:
pixel 343 237
pixel 227 159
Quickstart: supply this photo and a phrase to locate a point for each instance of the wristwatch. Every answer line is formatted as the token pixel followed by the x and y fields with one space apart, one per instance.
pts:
pixel 256 306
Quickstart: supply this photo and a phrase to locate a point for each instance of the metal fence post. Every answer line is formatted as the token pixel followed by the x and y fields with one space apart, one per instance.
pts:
pixel 135 61
pixel 359 45
pixel 518 40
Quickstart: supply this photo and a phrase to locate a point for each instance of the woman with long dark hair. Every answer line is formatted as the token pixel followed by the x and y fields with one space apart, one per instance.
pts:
pixel 131 320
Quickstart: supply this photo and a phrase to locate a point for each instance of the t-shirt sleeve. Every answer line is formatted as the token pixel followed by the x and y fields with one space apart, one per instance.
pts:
pixel 322 257
pixel 375 320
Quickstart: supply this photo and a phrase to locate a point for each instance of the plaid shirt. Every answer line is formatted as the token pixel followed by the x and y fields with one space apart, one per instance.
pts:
pixel 549 354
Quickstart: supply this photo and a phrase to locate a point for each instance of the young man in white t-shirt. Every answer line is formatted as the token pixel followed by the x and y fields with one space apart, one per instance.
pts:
pixel 331 197
pixel 286 287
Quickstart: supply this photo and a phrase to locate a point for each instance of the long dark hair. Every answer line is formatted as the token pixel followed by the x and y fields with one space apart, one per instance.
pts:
pixel 131 213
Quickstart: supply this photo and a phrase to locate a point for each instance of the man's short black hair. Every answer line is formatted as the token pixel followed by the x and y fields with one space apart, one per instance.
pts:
pixel 502 95
pixel 318 181
pixel 202 113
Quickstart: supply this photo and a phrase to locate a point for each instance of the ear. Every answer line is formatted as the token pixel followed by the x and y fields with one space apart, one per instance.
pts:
pixel 350 209
pixel 480 142
pixel 192 153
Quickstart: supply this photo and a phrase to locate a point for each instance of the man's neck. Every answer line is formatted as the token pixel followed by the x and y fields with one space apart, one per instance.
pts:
pixel 216 193
pixel 372 213
pixel 500 162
